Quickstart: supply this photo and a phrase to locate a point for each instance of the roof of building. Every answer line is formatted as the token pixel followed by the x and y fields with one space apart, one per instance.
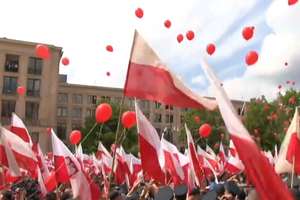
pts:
pixel 7 40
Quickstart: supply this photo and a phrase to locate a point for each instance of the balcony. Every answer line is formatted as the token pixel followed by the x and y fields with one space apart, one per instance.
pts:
pixel 11 67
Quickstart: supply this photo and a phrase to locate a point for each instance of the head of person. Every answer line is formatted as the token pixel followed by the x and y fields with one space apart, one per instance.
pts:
pixel 115 195
pixel 195 194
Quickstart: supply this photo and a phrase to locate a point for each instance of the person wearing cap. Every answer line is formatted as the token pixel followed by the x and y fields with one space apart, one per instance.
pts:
pixel 180 192
pixel 164 193
pixel 194 194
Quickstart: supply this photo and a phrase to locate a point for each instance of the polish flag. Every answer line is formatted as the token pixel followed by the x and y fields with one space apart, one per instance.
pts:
pixel 171 161
pixel 205 158
pixel 222 155
pixel 234 165
pixel 17 127
pixel 258 169
pixel 158 82
pixel 135 168
pixel 149 144
pixel 105 157
pixel 15 153
pixel 68 169
pixel 122 171
pixel 232 149
pixel 290 148
pixel 196 166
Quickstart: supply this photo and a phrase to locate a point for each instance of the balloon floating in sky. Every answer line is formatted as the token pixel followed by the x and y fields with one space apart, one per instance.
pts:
pixel 190 35
pixel 286 64
pixel 167 23
pixel 109 48
pixel 287 82
pixel 279 87
pixel 42 51
pixel 205 130
pixel 248 32
pixel 128 119
pixel 179 38
pixel 292 2
pixel 139 13
pixel 251 58
pixel 21 90
pixel 293 83
pixel 210 49
pixel 65 61
pixel 107 73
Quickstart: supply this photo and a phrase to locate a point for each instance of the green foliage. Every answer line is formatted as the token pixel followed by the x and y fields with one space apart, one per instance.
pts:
pixel 266 121
pixel 107 137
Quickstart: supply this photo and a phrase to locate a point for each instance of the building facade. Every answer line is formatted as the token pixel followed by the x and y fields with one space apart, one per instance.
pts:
pixel 50 101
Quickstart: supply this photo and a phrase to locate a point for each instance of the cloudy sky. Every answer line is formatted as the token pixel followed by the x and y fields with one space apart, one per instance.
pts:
pixel 84 27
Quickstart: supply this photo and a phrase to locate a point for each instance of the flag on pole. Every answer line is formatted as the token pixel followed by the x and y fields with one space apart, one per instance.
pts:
pixel 18 127
pixel 158 82
pixel 290 148
pixel 149 144
pixel 258 169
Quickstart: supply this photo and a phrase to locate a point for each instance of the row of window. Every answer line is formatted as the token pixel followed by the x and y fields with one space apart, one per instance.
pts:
pixel 31 109
pixel 76 112
pixel 35 65
pixel 63 98
pixel 10 85
pixel 158 118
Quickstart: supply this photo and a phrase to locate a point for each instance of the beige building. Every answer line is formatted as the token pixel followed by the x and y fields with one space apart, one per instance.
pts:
pixel 20 67
pixel 52 102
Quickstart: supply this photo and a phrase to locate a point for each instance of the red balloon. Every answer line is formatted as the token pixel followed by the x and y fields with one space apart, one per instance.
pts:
pixel 292 2
pixel 21 90
pixel 128 119
pixel 286 64
pixel 251 58
pixel 293 83
pixel 42 51
pixel 65 61
pixel 75 137
pixel 288 82
pixel 139 13
pixel 210 49
pixel 248 32
pixel 103 113
pixel 205 130
pixel 109 48
pixel 167 23
pixel 279 87
pixel 197 119
pixel 107 73
pixel 179 38
pixel 190 35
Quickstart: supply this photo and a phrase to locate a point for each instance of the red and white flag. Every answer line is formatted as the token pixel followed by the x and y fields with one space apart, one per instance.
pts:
pixel 258 169
pixel 290 148
pixel 234 165
pixel 159 83
pixel 106 159
pixel 17 127
pixel 149 144
pixel 68 169
pixel 170 154
pixel 15 153
pixel 222 155
pixel 196 166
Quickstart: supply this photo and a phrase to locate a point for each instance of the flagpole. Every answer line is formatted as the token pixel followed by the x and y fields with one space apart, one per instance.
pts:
pixel 293 171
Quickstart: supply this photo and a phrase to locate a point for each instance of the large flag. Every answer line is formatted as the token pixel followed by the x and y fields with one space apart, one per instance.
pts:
pixel 149 144
pixel 158 82
pixel 195 164
pixel 172 162
pixel 15 153
pixel 290 148
pixel 68 169
pixel 258 169
pixel 17 127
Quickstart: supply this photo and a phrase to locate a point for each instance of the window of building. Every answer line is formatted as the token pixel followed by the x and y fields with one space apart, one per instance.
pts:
pixel 9 85
pixel 62 111
pixel 90 112
pixel 76 112
pixel 33 87
pixel 76 125
pixel 32 110
pixel 35 66
pixel 35 136
pixel 169 118
pixel 157 105
pixel 62 98
pixel 12 63
pixel 92 99
pixel 8 106
pixel 77 98
pixel 61 130
pixel 167 107
pixel 157 118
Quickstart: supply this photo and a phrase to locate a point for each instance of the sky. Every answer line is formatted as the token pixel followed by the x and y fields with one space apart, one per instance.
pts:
pixel 84 27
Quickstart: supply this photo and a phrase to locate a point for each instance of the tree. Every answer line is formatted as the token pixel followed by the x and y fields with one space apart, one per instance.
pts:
pixel 108 133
